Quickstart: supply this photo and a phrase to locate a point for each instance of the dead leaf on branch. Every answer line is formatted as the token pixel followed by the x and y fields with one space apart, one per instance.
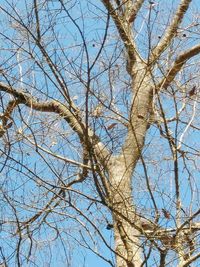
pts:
pixel 193 91
pixel 111 126
pixel 166 214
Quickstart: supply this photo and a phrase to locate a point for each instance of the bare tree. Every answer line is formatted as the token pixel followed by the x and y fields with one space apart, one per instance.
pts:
pixel 99 132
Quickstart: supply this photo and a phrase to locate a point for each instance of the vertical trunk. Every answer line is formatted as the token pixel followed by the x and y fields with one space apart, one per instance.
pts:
pixel 127 237
pixel 127 244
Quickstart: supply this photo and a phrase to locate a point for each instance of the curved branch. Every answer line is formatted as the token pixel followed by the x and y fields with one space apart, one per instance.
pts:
pixel 72 117
pixel 47 106
pixel 171 30
pixel 178 64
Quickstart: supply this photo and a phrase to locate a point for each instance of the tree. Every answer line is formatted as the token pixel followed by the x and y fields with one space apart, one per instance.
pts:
pixel 99 129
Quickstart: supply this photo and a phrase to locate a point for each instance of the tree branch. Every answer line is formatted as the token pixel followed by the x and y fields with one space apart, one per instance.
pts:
pixel 178 64
pixel 47 106
pixel 171 30
pixel 69 114
pixel 37 20
pixel 74 162
pixel 190 260
pixel 125 34
pixel 136 7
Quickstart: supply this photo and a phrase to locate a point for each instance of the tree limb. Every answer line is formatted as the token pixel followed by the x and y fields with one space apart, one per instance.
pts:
pixel 123 32
pixel 178 64
pixel 171 30
pixel 69 114
pixel 136 7
pixel 190 260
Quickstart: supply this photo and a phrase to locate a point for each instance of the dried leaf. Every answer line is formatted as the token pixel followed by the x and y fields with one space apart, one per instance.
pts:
pixel 132 17
pixel 111 126
pixel 192 91
pixel 9 125
pixel 166 214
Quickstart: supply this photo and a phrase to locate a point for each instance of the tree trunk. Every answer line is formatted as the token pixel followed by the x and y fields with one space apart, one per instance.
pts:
pixel 127 244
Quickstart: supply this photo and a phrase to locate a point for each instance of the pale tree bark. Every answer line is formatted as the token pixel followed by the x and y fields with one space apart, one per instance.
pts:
pixel 113 174
pixel 127 244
